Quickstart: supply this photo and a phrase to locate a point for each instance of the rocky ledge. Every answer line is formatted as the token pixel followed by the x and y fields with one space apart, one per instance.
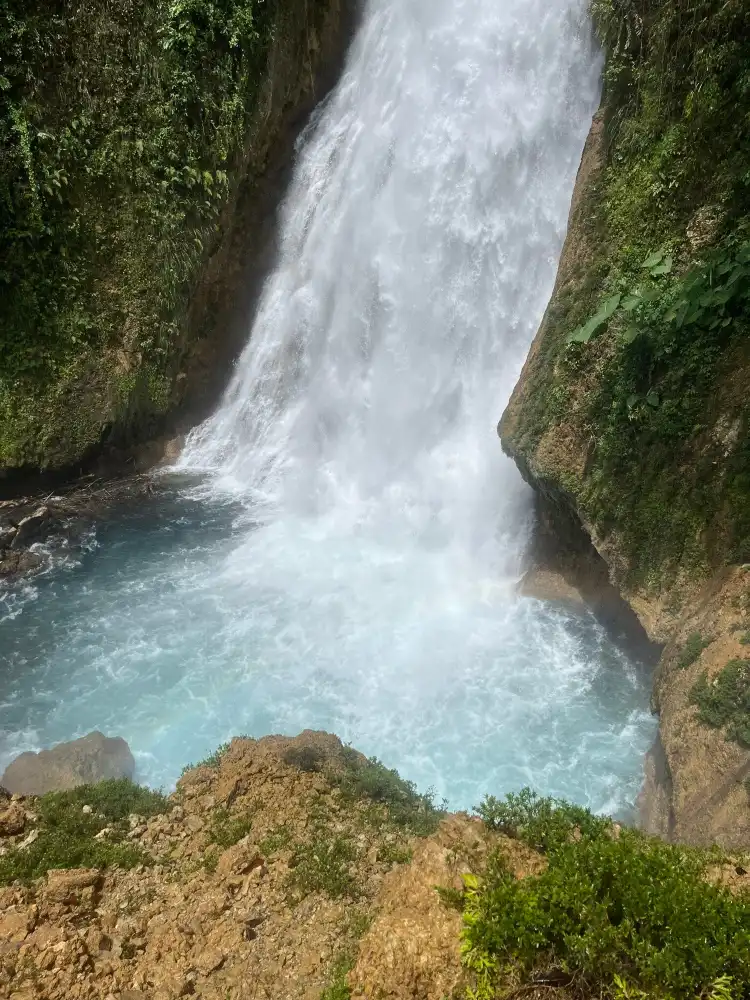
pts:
pixel 261 876
pixel 297 868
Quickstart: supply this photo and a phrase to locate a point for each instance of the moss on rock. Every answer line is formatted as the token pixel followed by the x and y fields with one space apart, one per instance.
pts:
pixel 128 132
pixel 643 423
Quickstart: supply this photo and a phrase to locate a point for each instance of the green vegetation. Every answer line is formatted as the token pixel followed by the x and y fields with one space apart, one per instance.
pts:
pixel 275 840
pixel 66 835
pixel 413 811
pixel 394 853
pixel 122 128
pixel 338 986
pixel 309 759
pixel 614 914
pixel 227 829
pixel 693 648
pixel 725 701
pixel 322 865
pixel 646 349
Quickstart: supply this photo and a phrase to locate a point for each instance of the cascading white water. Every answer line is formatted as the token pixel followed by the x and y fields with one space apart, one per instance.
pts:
pixel 418 249
pixel 348 560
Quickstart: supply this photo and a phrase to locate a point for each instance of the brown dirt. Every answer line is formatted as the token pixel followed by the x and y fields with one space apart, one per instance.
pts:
pixel 225 923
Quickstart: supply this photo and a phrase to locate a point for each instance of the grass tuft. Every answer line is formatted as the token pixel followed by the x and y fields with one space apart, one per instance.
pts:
pixel 66 835
pixel 407 808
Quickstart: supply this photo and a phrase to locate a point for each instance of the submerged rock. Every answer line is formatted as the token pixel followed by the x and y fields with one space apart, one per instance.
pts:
pixel 88 760
pixel 31 529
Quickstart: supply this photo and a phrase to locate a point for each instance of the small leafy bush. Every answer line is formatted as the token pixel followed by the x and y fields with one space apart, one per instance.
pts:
pixel 542 823
pixel 275 840
pixel 408 808
pixel 112 802
pixel 623 915
pixel 227 830
pixel 66 835
pixel 394 854
pixel 725 701
pixel 322 865
pixel 309 759
pixel 693 648
pixel 212 760
pixel 338 987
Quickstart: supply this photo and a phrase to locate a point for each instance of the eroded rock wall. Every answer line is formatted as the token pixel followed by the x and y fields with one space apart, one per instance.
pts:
pixel 146 147
pixel 629 415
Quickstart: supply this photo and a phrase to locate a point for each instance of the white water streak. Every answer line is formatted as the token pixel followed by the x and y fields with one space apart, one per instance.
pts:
pixel 419 243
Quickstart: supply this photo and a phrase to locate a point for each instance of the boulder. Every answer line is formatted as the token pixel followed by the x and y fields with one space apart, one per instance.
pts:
pixel 85 761
pixel 66 886
pixel 30 529
pixel 18 563
pixel 12 819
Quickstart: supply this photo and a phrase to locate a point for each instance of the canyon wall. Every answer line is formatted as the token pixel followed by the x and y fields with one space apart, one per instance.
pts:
pixel 631 415
pixel 145 147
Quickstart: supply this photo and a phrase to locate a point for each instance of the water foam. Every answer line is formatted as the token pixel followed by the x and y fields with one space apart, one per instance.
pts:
pixel 349 559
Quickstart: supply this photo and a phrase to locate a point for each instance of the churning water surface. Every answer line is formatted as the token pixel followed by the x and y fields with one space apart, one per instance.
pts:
pixel 339 545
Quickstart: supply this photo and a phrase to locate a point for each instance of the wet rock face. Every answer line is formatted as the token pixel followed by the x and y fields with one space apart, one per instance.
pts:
pixel 88 760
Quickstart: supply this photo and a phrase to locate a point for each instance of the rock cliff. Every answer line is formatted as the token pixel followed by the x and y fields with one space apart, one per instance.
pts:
pixel 630 417
pixel 144 150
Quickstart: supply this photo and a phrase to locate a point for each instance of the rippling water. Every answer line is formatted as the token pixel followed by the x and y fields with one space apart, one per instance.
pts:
pixel 340 544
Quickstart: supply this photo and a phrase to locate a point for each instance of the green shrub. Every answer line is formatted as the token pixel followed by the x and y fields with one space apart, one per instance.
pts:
pixel 212 760
pixel 112 802
pixel 694 646
pixel 612 904
pixel 226 830
pixel 407 808
pixel 542 823
pixel 275 840
pixel 66 835
pixel 309 759
pixel 338 986
pixel 725 701
pixel 394 854
pixel 322 865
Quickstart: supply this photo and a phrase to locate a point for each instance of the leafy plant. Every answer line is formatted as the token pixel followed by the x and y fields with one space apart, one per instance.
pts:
pixel 338 987
pixel 542 823
pixel 406 807
pixel 322 865
pixel 275 840
pixel 227 829
pixel 66 835
pixel 694 646
pixel 212 760
pixel 725 701
pixel 394 853
pixel 622 914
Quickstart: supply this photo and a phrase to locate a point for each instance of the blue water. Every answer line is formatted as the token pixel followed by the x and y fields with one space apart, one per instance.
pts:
pixel 341 544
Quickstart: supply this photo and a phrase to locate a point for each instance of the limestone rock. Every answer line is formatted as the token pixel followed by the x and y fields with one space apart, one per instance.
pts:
pixel 64 886
pixel 12 820
pixel 88 760
pixel 17 563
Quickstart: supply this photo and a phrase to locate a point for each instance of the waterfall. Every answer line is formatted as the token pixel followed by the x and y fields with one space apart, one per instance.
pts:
pixel 418 247
pixel 348 558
